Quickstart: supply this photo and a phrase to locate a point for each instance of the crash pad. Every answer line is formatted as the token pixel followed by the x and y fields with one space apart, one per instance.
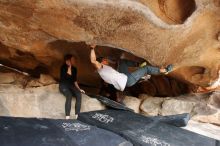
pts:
pixel 143 131
pixel 111 103
pixel 48 132
pixel 179 120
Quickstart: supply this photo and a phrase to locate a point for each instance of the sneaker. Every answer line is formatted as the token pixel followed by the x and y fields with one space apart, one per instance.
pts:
pixel 76 116
pixel 143 64
pixel 169 68
pixel 67 117
pixel 146 77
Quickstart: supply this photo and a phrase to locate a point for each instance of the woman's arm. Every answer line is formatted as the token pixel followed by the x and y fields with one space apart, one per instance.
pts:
pixel 77 86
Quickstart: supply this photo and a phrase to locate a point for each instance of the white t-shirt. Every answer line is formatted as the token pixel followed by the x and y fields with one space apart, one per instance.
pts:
pixel 111 76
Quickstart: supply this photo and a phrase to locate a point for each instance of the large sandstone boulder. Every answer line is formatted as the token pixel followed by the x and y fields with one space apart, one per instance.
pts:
pixel 152 106
pixel 200 106
pixel 46 79
pixel 42 102
pixel 174 106
pixel 43 80
pixel 90 104
pixel 142 97
pixel 215 99
pixel 132 103
pixel 21 80
pixel 213 119
pixel 205 129
pixel 206 112
pixel 7 78
pixel 14 78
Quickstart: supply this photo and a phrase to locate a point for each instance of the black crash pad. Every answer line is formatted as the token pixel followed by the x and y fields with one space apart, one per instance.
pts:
pixel 142 131
pixel 179 120
pixel 47 132
pixel 110 103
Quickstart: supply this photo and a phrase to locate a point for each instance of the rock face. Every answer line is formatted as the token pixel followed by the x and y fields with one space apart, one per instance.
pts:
pixel 42 102
pixel 43 99
pixel 6 78
pixel 132 103
pixel 199 106
pixel 42 81
pixel 205 129
pixel 34 35
pixel 215 100
pixel 152 106
pixel 173 106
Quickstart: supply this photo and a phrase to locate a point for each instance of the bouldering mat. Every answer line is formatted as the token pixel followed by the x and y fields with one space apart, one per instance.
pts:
pixel 179 120
pixel 48 132
pixel 111 103
pixel 142 131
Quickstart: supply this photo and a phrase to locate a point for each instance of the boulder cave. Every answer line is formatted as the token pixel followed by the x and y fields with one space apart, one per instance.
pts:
pixel 36 34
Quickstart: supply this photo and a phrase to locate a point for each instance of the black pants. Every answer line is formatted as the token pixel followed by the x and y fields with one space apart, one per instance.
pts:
pixel 108 90
pixel 70 91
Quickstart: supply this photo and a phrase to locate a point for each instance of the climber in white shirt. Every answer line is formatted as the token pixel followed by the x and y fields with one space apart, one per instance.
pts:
pixel 121 79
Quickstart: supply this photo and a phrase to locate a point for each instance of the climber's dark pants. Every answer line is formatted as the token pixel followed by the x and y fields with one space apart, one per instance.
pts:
pixel 70 91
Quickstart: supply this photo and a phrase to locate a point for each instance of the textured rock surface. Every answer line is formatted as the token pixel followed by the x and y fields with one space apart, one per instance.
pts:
pixel 199 106
pixel 205 129
pixel 7 78
pixel 19 98
pixel 132 103
pixel 42 81
pixel 34 35
pixel 152 106
pixel 43 102
pixel 215 99
pixel 46 79
pixel 173 106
